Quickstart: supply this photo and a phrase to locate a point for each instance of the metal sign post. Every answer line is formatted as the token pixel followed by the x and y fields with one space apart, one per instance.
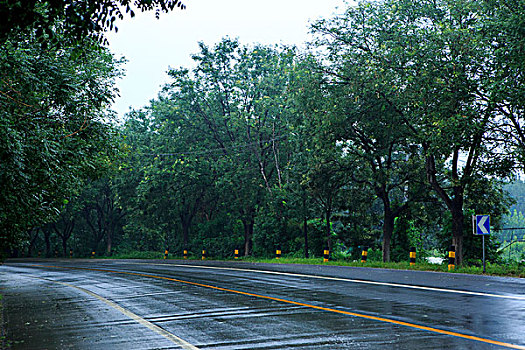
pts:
pixel 481 227
pixel 483 239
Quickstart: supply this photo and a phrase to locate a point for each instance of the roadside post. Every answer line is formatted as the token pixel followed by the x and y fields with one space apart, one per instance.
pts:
pixel 278 253
pixel 166 254
pixel 326 255
pixel 185 254
pixel 204 254
pixel 481 227
pixel 412 256
pixel 236 252
pixel 364 254
pixel 70 253
pixel 451 257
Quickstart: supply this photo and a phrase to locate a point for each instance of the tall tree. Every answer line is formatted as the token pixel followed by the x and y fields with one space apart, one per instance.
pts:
pixel 102 213
pixel 433 53
pixel 54 128
pixel 235 102
pixel 56 84
pixel 373 142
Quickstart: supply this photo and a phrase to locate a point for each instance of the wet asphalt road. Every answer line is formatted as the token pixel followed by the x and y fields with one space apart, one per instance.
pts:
pixel 131 304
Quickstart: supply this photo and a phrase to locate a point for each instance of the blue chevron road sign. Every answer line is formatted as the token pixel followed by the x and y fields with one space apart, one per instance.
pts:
pixel 481 224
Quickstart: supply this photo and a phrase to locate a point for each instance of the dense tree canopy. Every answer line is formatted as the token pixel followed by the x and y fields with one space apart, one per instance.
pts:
pixel 221 128
pixel 431 70
pixel 404 119
pixel 80 19
pixel 56 85
pixel 53 129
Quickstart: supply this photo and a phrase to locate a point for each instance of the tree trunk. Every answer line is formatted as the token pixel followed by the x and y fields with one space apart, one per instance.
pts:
pixel 108 241
pixel 454 204
pixel 47 235
pixel 185 234
pixel 328 216
pixel 65 234
pixel 305 234
pixel 32 240
pixel 248 235
pixel 457 232
pixel 388 228
pixel 305 227
pixel 64 246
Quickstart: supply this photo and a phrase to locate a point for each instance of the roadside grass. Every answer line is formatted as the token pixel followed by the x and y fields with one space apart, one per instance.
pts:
pixel 135 255
pixel 511 270
pixel 491 269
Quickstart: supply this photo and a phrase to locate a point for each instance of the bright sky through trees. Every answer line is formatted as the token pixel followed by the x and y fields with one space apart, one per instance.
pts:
pixel 151 46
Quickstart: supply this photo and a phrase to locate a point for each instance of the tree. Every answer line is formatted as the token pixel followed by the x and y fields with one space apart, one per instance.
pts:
pixel 64 229
pixel 32 236
pixel 503 23
pixel 375 147
pixel 54 129
pixel 102 213
pixel 234 103
pixel 437 63
pixel 56 84
pixel 181 182
pixel 81 19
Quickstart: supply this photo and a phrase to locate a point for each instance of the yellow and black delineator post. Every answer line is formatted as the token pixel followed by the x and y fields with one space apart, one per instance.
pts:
pixel 203 254
pixel 92 254
pixel 236 253
pixel 166 252
pixel 70 253
pixel 185 254
pixel 412 256
pixel 364 254
pixel 451 257
pixel 278 253
pixel 39 253
pixel 326 255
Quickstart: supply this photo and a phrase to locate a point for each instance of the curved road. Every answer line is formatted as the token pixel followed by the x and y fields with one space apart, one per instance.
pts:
pixel 139 304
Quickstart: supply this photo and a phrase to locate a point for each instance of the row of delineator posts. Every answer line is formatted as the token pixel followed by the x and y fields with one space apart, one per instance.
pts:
pixel 56 253
pixel 326 255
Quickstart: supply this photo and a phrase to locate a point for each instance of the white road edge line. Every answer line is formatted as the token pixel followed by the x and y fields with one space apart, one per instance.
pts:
pixel 398 285
pixel 173 338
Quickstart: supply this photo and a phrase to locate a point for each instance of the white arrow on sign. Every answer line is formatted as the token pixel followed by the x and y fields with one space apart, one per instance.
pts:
pixel 481 224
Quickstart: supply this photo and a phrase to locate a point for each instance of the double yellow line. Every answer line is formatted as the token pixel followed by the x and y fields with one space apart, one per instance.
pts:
pixel 369 317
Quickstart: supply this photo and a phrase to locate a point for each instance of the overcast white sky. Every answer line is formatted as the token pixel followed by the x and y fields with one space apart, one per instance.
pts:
pixel 151 46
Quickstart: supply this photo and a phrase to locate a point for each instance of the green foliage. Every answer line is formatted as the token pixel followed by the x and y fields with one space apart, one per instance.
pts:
pixel 82 19
pixel 413 77
pixel 516 190
pixel 472 243
pixel 511 237
pixel 54 128
pixel 212 148
pixel 397 128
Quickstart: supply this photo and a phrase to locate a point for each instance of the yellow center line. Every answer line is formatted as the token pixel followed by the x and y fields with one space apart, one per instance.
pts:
pixel 369 317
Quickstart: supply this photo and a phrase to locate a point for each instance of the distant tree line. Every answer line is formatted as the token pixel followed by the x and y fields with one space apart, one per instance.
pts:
pixel 402 120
